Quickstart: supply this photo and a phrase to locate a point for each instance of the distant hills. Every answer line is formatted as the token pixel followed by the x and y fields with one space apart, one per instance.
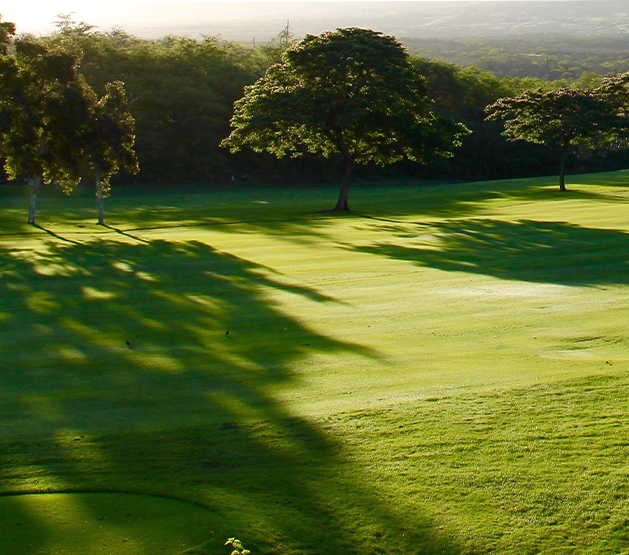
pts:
pixel 246 21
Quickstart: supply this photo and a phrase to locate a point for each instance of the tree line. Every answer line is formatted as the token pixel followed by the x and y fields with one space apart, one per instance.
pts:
pixel 180 95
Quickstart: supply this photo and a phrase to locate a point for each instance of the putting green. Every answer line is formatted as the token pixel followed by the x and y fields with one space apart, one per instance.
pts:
pixel 100 523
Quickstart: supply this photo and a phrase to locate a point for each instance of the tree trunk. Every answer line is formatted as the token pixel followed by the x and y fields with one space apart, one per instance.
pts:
pixel 35 183
pixel 342 204
pixel 562 167
pixel 99 196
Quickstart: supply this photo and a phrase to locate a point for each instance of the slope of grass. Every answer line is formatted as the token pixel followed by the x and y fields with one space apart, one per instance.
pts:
pixel 441 371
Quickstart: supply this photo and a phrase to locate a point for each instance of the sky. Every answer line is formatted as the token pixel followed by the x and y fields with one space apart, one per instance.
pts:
pixel 37 16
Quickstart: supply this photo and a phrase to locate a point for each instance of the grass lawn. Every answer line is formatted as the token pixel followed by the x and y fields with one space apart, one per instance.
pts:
pixel 444 370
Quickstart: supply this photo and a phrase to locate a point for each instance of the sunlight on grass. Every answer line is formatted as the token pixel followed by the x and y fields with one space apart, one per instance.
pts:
pixel 441 371
pixel 91 293
pixel 42 302
pixel 123 266
pixel 158 362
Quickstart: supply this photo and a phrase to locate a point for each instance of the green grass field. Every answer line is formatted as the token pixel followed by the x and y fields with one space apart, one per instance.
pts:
pixel 442 371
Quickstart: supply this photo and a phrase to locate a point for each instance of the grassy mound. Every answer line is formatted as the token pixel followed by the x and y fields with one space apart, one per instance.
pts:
pixel 441 371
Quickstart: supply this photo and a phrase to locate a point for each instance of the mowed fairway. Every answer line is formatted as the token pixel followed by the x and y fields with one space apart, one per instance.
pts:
pixel 444 370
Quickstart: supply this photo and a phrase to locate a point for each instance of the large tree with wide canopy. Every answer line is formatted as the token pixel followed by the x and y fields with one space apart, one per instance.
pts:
pixel 351 93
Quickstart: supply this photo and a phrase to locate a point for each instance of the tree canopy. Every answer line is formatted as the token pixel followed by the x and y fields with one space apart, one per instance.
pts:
pixel 182 92
pixel 563 117
pixel 52 124
pixel 41 107
pixel 351 93
pixel 107 143
pixel 615 92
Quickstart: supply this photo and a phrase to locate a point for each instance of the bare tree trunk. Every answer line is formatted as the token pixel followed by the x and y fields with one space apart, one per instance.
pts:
pixel 562 167
pixel 35 183
pixel 99 196
pixel 342 204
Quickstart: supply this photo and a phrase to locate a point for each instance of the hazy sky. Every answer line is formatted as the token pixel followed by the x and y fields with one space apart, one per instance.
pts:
pixel 37 16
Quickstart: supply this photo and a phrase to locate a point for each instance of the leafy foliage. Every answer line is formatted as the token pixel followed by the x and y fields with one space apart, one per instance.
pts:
pixel 181 94
pixel 566 115
pixel 461 94
pixel 614 91
pixel 563 117
pixel 108 142
pixel 7 32
pixel 239 549
pixel 181 91
pixel 352 93
pixel 51 121
pixel 42 107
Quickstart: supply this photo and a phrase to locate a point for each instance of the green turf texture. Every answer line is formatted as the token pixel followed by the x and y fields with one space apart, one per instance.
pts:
pixel 444 370
pixel 121 524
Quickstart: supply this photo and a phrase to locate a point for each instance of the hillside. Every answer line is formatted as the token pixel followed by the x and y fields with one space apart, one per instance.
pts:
pixel 243 21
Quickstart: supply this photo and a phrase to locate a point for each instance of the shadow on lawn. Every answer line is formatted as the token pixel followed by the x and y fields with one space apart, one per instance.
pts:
pixel 543 252
pixel 300 213
pixel 119 375
pixel 540 193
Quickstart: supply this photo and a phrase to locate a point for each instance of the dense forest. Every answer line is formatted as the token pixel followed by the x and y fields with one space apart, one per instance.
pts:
pixel 182 93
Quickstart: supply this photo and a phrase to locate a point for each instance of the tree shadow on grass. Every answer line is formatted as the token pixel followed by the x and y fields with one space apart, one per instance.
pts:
pixel 297 213
pixel 541 193
pixel 451 200
pixel 179 311
pixel 448 200
pixel 150 368
pixel 533 251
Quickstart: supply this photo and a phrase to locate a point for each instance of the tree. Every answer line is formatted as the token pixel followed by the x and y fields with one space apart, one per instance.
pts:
pixel 180 88
pixel 461 94
pixel 562 117
pixel 107 143
pixel 351 93
pixel 614 91
pixel 41 107
pixel 7 32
